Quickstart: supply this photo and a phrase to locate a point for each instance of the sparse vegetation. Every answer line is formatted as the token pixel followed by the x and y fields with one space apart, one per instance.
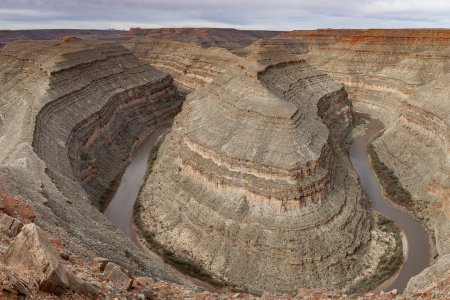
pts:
pixel 168 256
pixel 109 192
pixel 84 156
pixel 392 187
pixel 359 119
pixel 390 262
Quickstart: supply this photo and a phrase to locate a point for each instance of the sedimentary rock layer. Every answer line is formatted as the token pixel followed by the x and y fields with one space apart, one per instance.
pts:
pixel 401 76
pixel 52 34
pixel 82 106
pixel 112 100
pixel 251 184
pixel 190 65
pixel 227 38
pixel 302 41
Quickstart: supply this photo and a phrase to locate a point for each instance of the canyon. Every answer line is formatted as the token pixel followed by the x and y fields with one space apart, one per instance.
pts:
pixel 253 183
pixel 401 77
pixel 70 115
pixel 228 190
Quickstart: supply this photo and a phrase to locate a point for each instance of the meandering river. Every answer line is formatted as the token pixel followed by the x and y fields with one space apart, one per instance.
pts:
pixel 120 209
pixel 417 242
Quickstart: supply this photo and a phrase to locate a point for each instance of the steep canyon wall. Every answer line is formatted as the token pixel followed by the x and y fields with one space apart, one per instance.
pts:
pixel 190 65
pixel 402 77
pixel 70 115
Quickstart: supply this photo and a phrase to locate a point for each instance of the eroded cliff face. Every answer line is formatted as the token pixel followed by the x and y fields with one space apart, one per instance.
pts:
pixel 251 184
pixel 401 77
pixel 190 65
pixel 70 115
pixel 112 101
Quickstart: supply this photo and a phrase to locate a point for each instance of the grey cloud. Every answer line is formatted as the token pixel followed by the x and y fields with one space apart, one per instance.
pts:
pixel 266 14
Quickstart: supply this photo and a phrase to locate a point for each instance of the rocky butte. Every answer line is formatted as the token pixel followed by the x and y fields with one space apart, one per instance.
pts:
pixel 253 175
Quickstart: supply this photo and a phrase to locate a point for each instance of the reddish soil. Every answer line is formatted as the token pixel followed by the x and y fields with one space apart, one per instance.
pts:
pixel 16 208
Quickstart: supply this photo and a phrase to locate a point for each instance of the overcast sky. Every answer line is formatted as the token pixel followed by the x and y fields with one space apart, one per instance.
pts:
pixel 242 14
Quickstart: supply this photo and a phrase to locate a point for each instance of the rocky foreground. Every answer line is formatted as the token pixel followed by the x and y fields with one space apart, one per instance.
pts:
pixel 37 265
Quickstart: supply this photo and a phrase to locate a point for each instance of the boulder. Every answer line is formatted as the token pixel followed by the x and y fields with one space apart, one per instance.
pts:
pixel 117 276
pixel 79 286
pixel 19 286
pixel 139 282
pixel 65 255
pixel 10 225
pixel 31 254
pixel 101 263
pixel 149 294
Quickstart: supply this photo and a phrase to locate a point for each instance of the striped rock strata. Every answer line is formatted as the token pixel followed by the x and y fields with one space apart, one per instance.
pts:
pixel 70 114
pixel 190 65
pixel 302 41
pixel 252 185
pixel 228 38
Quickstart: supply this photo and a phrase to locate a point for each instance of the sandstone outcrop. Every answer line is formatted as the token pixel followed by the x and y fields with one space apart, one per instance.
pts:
pixel 251 184
pixel 10 225
pixel 191 65
pixel 70 115
pixel 401 77
pixel 31 253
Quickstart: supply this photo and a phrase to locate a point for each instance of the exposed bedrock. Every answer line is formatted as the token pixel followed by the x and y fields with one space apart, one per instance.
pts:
pixel 193 62
pixel 82 106
pixel 380 68
pixel 251 184
pixel 190 65
pixel 302 41
pixel 89 126
pixel 401 77
pixel 228 38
